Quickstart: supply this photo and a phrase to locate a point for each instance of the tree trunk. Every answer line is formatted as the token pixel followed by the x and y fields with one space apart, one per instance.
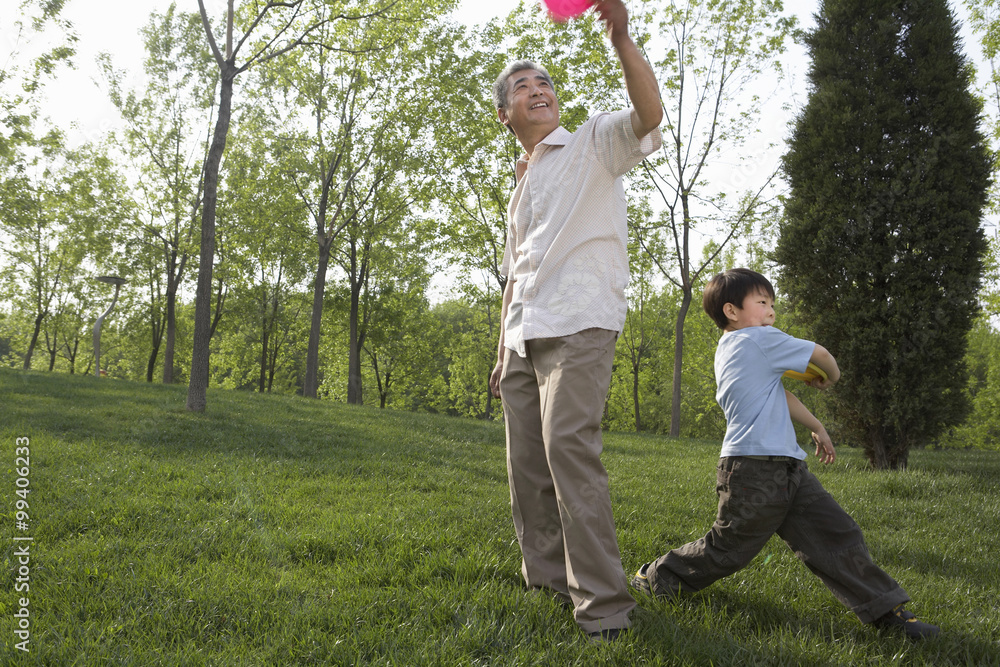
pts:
pixel 675 403
pixel 264 342
pixel 157 340
pixel 883 455
pixel 52 356
pixel 34 341
pixel 168 349
pixel 354 384
pixel 354 387
pixel 71 353
pixel 272 360
pixel 311 385
pixel 635 396
pixel 153 354
pixel 198 385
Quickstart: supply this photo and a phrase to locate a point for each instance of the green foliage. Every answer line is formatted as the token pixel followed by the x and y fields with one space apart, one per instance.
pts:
pixel 707 56
pixel 982 427
pixel 464 334
pixel 57 210
pixel 165 123
pixel 400 335
pixel 19 110
pixel 881 246
pixel 275 530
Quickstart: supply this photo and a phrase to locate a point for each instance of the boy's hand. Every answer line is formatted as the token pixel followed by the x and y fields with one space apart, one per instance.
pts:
pixel 821 383
pixel 824 446
pixel 822 358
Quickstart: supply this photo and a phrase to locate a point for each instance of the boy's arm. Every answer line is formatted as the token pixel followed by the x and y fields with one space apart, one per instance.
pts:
pixel 822 358
pixel 801 414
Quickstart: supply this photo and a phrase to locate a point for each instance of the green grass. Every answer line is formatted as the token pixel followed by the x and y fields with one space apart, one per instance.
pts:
pixel 281 531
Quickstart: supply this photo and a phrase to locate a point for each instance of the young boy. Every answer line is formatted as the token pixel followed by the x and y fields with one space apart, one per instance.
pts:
pixel 763 484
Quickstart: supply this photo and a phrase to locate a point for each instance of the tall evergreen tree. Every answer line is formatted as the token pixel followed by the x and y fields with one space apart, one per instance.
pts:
pixel 881 247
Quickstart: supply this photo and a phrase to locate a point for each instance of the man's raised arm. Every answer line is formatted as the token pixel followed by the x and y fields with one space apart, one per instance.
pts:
pixel 640 81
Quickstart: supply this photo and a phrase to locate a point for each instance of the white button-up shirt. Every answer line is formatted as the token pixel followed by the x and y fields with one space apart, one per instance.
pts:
pixel 567 231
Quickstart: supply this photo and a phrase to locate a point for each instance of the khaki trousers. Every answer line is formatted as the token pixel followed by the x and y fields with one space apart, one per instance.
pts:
pixel 553 401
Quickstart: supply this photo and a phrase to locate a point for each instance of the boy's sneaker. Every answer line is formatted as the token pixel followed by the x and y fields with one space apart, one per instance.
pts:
pixel 640 582
pixel 905 620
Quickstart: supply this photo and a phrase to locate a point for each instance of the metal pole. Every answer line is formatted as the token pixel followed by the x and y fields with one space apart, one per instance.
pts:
pixel 117 282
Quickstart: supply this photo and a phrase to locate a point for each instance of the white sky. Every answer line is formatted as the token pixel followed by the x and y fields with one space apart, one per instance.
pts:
pixel 77 102
pixel 112 26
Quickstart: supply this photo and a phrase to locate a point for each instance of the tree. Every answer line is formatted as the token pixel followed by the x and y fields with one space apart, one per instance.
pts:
pixel 22 178
pixel 19 108
pixel 72 321
pixel 381 199
pixel 272 29
pixel 356 83
pixel 984 17
pixel 337 96
pixel 36 257
pixel 711 59
pixel 398 345
pixel 642 329
pixel 164 122
pixel 881 246
pixel 54 210
pixel 267 246
pixel 475 155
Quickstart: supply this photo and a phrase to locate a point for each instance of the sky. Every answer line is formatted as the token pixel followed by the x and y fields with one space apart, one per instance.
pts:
pixel 77 100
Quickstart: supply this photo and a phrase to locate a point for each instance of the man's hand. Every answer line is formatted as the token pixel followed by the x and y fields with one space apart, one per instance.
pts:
pixel 615 17
pixel 640 81
pixel 495 379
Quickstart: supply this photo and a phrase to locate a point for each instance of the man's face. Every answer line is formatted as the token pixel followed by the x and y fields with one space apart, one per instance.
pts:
pixel 531 104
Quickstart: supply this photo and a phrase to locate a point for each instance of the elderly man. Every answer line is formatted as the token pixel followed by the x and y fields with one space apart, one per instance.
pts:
pixel 566 264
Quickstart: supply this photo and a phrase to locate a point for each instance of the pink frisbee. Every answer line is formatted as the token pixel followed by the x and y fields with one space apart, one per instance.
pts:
pixel 564 10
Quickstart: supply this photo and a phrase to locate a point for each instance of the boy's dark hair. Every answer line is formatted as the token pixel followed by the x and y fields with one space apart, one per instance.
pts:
pixel 732 286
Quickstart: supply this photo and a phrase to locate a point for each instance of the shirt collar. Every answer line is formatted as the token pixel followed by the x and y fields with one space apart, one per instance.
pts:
pixel 557 137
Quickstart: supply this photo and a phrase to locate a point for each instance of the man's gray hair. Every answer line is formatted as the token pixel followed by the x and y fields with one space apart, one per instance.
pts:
pixel 501 89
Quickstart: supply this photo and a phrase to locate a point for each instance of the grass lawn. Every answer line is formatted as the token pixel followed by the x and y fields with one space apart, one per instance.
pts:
pixel 281 531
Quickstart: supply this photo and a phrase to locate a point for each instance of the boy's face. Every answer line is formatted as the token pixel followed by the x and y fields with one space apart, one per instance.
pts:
pixel 757 310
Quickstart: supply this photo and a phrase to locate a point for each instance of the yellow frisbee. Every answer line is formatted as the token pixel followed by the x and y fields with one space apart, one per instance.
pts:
pixel 812 372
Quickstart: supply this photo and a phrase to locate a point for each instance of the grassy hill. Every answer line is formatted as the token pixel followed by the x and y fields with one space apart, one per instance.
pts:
pixel 280 531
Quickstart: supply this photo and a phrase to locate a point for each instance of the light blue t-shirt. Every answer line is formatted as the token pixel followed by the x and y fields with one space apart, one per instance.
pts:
pixel 748 367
